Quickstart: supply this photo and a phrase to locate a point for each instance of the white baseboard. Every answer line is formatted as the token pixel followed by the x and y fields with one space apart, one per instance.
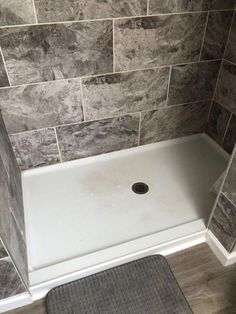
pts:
pixel 223 256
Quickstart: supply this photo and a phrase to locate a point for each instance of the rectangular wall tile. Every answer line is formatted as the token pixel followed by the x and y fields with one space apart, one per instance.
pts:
pixel 35 148
pixel 4 205
pixel 173 122
pixel 229 188
pixel 18 250
pixel 223 223
pixel 216 34
pixel 172 6
pixel 39 106
pixel 218 122
pixel 230 53
pixel 226 87
pixel 123 93
pixel 192 82
pixel 3 75
pixel 15 12
pixel 98 137
pixel 213 4
pixel 151 41
pixel 72 10
pixel 230 137
pixel 50 52
pixel 10 283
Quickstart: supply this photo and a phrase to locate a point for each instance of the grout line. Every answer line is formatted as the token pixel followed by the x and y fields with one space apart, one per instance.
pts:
pixel 227 41
pixel 6 258
pixel 82 99
pixel 225 60
pixel 116 18
pixel 214 93
pixel 204 35
pixel 224 106
pixel 113 47
pixel 58 146
pixel 228 199
pixel 5 66
pixel 139 128
pixel 35 14
pixel 111 73
pixel 168 86
pixel 226 130
pixel 148 3
pixel 221 187
pixel 111 117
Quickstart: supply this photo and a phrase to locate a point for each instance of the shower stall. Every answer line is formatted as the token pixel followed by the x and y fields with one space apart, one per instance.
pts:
pixel 117 134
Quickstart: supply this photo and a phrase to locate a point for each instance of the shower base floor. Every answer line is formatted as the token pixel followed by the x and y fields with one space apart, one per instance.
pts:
pixel 84 212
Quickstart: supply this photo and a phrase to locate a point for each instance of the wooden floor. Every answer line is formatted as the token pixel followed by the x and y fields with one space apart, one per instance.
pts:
pixel 208 286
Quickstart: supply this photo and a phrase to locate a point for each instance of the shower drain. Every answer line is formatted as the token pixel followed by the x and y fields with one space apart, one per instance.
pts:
pixel 140 188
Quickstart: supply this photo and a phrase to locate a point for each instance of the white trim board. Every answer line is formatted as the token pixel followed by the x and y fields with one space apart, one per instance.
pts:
pixel 223 256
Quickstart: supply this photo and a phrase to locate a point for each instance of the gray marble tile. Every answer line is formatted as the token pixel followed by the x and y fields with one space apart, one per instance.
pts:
pixel 39 106
pixel 3 75
pixel 71 10
pixel 117 94
pixel 173 122
pixel 3 252
pixel 230 137
pixel 13 178
pixel 6 152
pixel 192 82
pixel 12 224
pixel 229 188
pixel 217 122
pixel 151 41
pixel 172 6
pixel 10 283
pixel 18 250
pixel 226 87
pixel 55 51
pixel 223 223
pixel 230 53
pixel 4 206
pixel 213 4
pixel 35 148
pixel 216 35
pixel 15 12
pixel 15 200
pixel 98 137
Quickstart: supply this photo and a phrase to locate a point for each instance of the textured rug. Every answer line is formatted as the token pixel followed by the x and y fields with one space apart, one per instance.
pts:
pixel 144 286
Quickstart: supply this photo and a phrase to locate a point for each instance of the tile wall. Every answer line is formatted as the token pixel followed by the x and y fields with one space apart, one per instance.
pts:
pixel 80 78
pixel 222 119
pixel 223 221
pixel 10 282
pixel 12 224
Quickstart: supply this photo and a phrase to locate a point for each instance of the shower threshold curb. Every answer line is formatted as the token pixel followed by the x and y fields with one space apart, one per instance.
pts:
pixel 40 291
pixel 165 248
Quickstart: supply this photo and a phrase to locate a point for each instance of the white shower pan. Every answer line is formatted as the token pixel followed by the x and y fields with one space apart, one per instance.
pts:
pixel 83 213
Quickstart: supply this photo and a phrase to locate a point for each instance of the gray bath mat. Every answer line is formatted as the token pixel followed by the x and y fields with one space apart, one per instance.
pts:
pixel 145 286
